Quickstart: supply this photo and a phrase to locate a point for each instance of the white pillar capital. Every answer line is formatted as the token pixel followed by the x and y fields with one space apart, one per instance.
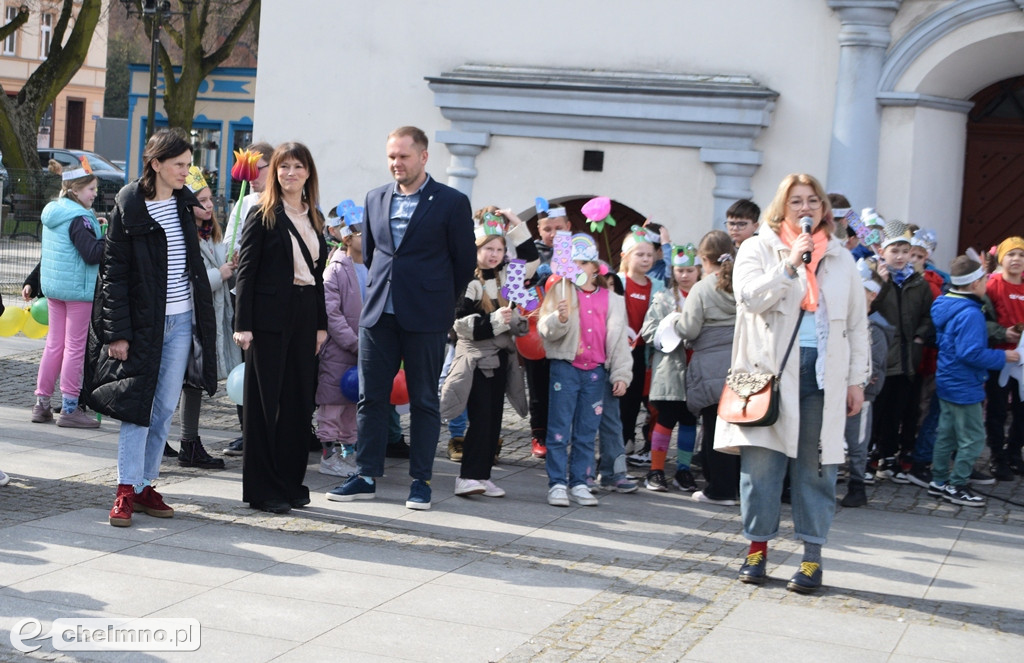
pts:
pixel 464 146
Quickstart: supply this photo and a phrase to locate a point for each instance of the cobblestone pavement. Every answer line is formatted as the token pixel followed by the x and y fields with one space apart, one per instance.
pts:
pixel 682 601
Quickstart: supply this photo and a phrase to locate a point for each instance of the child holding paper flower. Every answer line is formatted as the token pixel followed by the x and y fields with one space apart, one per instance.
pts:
pixel 583 327
pixel 485 368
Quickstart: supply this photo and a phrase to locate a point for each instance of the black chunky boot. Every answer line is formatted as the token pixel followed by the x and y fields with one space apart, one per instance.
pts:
pixel 194 455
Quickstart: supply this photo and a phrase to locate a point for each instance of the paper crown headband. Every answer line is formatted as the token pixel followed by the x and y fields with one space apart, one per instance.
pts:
pixel 544 206
pixel 195 180
pixel 84 170
pixel 896 231
pixel 636 236
pixel 491 225
pixel 925 239
pixel 583 248
pixel 350 218
pixel 867 276
pixel 684 256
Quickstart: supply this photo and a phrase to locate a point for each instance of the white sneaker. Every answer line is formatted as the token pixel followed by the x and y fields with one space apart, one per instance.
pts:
pixel 699 496
pixel 557 495
pixel 582 495
pixel 467 487
pixel 337 466
pixel 4 479
pixel 492 490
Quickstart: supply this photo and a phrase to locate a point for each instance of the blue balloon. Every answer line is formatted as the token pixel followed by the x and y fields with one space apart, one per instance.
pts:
pixel 350 384
pixel 236 384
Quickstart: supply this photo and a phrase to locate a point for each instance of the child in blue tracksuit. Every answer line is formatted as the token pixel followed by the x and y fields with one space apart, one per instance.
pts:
pixel 963 365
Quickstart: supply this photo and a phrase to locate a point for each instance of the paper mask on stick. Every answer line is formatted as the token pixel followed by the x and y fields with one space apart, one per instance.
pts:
pixel 515 289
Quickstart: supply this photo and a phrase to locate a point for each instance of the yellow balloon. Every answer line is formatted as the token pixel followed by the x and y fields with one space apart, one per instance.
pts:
pixel 33 329
pixel 13 320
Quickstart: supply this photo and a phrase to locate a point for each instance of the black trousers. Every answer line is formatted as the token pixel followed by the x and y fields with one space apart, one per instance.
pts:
pixel 896 410
pixel 721 470
pixel 1001 400
pixel 484 409
pixel 630 402
pixel 671 413
pixel 280 374
pixel 538 377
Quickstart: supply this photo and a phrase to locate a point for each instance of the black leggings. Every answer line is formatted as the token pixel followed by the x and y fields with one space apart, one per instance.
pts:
pixel 630 402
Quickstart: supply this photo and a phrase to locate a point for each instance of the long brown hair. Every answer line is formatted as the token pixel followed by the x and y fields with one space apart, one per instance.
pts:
pixel 271 197
pixel 714 246
pixel 163 145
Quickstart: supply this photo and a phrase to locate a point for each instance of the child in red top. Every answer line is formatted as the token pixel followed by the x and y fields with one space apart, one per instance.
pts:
pixel 1006 290
pixel 637 258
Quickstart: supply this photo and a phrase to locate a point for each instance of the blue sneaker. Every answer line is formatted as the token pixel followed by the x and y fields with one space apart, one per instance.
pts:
pixel 419 495
pixel 355 488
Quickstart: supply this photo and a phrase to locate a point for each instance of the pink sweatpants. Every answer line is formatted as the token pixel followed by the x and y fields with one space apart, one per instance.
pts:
pixel 336 423
pixel 65 347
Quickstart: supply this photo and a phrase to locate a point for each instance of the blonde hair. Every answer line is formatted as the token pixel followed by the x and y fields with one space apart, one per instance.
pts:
pixel 776 211
pixel 486 303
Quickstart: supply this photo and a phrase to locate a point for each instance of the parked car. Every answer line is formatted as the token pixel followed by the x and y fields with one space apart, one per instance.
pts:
pixel 99 162
pixel 111 178
pixel 4 177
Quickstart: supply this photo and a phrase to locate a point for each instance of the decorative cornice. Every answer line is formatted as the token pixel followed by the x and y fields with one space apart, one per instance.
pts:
pixel 635 107
pixel 930 30
pixel 924 101
pixel 865 22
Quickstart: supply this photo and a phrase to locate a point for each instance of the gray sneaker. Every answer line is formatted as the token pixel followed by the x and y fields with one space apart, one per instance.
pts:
pixel 41 413
pixel 77 419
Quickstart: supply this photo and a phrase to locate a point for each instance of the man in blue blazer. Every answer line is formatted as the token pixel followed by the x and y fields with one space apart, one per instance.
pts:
pixel 418 247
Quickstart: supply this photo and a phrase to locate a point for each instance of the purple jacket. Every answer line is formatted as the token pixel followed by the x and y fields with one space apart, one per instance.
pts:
pixel 339 352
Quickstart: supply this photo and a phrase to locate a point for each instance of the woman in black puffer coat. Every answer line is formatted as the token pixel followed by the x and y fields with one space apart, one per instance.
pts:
pixel 152 320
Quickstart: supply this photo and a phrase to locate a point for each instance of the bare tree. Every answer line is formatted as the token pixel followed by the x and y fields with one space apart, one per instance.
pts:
pixel 202 49
pixel 20 115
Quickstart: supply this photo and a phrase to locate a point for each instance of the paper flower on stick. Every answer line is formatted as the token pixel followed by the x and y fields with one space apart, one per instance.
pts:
pixel 245 168
pixel 541 204
pixel 515 289
pixel 599 213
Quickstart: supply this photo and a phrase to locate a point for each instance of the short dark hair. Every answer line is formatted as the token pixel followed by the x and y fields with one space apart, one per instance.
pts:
pixel 838 201
pixel 163 145
pixel 417 135
pixel 962 266
pixel 744 209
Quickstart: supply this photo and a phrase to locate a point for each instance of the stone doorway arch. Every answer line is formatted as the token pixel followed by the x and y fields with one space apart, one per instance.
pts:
pixel 609 242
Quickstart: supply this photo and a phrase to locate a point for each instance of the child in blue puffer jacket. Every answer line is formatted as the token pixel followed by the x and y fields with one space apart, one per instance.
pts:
pixel 964 362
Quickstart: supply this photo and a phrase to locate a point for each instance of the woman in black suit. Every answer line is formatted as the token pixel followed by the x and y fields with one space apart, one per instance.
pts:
pixel 280 324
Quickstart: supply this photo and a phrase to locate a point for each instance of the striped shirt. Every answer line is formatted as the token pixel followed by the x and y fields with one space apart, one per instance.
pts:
pixel 179 292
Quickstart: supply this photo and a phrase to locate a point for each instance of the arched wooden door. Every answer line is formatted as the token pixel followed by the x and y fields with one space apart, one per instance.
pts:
pixel 609 242
pixel 993 200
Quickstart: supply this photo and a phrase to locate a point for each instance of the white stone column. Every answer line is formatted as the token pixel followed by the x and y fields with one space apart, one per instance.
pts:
pixel 853 155
pixel 733 170
pixel 464 147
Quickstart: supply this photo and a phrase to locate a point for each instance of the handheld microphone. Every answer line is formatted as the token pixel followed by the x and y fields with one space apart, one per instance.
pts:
pixel 805 226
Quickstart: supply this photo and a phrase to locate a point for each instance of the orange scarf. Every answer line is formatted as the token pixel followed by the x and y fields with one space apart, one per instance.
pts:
pixel 820 236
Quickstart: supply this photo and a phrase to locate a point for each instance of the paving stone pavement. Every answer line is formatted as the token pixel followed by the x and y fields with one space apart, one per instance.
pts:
pixel 643 577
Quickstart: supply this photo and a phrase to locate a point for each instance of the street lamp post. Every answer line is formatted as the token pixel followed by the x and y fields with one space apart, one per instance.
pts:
pixel 158 11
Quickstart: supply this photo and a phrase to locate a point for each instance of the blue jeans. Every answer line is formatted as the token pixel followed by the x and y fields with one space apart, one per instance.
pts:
pixel 928 430
pixel 382 348
pixel 575 405
pixel 613 449
pixel 763 470
pixel 140 448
